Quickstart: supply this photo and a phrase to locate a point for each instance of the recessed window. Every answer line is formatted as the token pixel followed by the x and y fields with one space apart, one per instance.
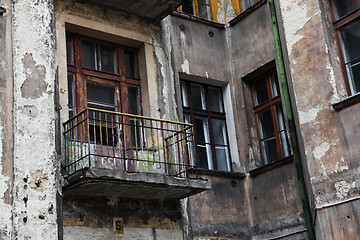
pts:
pixel 95 82
pixel 203 107
pixel 198 8
pixel 269 118
pixel 347 25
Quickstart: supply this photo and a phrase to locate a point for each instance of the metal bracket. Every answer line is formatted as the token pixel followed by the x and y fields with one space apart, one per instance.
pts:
pixel 2 10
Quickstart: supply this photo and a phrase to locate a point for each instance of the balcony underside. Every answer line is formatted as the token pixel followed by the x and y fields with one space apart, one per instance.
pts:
pixel 153 10
pixel 97 182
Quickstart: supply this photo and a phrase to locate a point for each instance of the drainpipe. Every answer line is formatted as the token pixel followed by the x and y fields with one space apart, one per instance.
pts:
pixel 290 118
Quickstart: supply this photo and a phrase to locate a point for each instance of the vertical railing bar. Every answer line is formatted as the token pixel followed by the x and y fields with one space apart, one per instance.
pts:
pixel 67 160
pixel 88 135
pixel 124 141
pixel 101 143
pixel 184 150
pixel 158 142
pixel 136 139
pixel 163 139
pixel 152 139
pixel 171 158
pixel 178 146
pixel 107 137
pixel 113 136
pixel 95 137
pixel 81 136
pixel 74 146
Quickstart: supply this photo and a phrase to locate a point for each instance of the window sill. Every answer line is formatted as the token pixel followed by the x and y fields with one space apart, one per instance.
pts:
pixel 246 12
pixel 347 102
pixel 202 171
pixel 266 168
pixel 197 19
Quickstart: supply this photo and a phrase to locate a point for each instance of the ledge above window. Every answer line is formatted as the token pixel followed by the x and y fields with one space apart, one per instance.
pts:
pixel 153 11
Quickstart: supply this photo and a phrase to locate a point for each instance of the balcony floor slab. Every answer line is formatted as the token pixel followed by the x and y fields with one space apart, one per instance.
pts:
pixel 97 182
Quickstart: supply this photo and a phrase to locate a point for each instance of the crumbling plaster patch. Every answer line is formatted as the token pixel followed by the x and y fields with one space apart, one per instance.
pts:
pixel 343 188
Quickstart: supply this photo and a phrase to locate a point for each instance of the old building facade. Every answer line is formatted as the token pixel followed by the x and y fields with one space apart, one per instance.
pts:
pixel 196 119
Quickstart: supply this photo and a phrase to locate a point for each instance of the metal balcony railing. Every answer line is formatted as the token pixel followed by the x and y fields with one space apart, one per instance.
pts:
pixel 126 142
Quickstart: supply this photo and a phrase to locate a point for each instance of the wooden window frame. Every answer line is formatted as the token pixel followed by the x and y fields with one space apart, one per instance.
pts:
pixel 196 10
pixel 118 79
pixel 209 115
pixel 271 104
pixel 339 24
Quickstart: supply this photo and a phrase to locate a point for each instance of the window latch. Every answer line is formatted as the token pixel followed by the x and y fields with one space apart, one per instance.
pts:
pixel 2 10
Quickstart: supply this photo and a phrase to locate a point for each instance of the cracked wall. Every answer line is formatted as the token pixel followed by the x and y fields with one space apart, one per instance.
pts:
pixel 36 165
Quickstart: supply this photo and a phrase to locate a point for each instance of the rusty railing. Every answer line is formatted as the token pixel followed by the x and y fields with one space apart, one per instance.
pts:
pixel 126 142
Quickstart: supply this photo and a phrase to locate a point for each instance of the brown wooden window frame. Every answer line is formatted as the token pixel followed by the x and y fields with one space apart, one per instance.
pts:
pixel 339 24
pixel 210 116
pixel 196 10
pixel 271 103
pixel 120 80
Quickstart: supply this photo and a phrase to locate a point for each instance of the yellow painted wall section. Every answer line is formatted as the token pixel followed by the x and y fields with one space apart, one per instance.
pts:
pixel 214 8
pixel 237 6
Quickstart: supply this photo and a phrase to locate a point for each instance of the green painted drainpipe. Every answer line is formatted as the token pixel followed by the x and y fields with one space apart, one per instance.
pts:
pixel 290 118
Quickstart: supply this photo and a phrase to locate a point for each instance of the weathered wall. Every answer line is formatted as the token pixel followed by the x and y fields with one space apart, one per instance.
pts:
pixel 317 82
pixel 221 212
pixel 93 218
pixel 36 166
pixel 275 203
pixel 247 55
pixel 6 158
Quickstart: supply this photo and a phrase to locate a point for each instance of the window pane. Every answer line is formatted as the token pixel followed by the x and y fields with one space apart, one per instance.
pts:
pixel 188 7
pixel 133 100
pixel 204 9
pixel 197 96
pixel 215 100
pixel 350 38
pixel 247 3
pixel 130 64
pixel 69 49
pixel 222 157
pixel 102 95
pixel 353 71
pixel 199 130
pixel 274 84
pixel 219 131
pixel 269 150
pixel 184 95
pixel 108 59
pixel 89 51
pixel 260 91
pixel 71 95
pixel 203 139
pixel 343 7
pixel 266 126
pixel 203 157
pixel 280 117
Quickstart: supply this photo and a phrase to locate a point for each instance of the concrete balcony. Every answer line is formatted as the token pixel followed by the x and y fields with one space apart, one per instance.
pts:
pixel 153 10
pixel 113 154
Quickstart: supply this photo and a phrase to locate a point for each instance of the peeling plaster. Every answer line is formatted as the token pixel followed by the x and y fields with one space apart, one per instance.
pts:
pixel 309 115
pixel 343 188
pixel 320 151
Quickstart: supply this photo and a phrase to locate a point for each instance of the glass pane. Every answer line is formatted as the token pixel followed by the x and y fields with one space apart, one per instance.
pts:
pixel 343 7
pixel 215 100
pixel 222 158
pixel 350 38
pixel 247 3
pixel 197 96
pixel 274 84
pixel 89 50
pixel 204 9
pixel 284 144
pixel 133 100
pixel 203 157
pixel 108 58
pixel 260 91
pixel 353 71
pixel 188 7
pixel 184 95
pixel 130 64
pixel 280 117
pixel 266 126
pixel 71 95
pixel 199 130
pixel 101 95
pixel 269 150
pixel 219 132
pixel 69 49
